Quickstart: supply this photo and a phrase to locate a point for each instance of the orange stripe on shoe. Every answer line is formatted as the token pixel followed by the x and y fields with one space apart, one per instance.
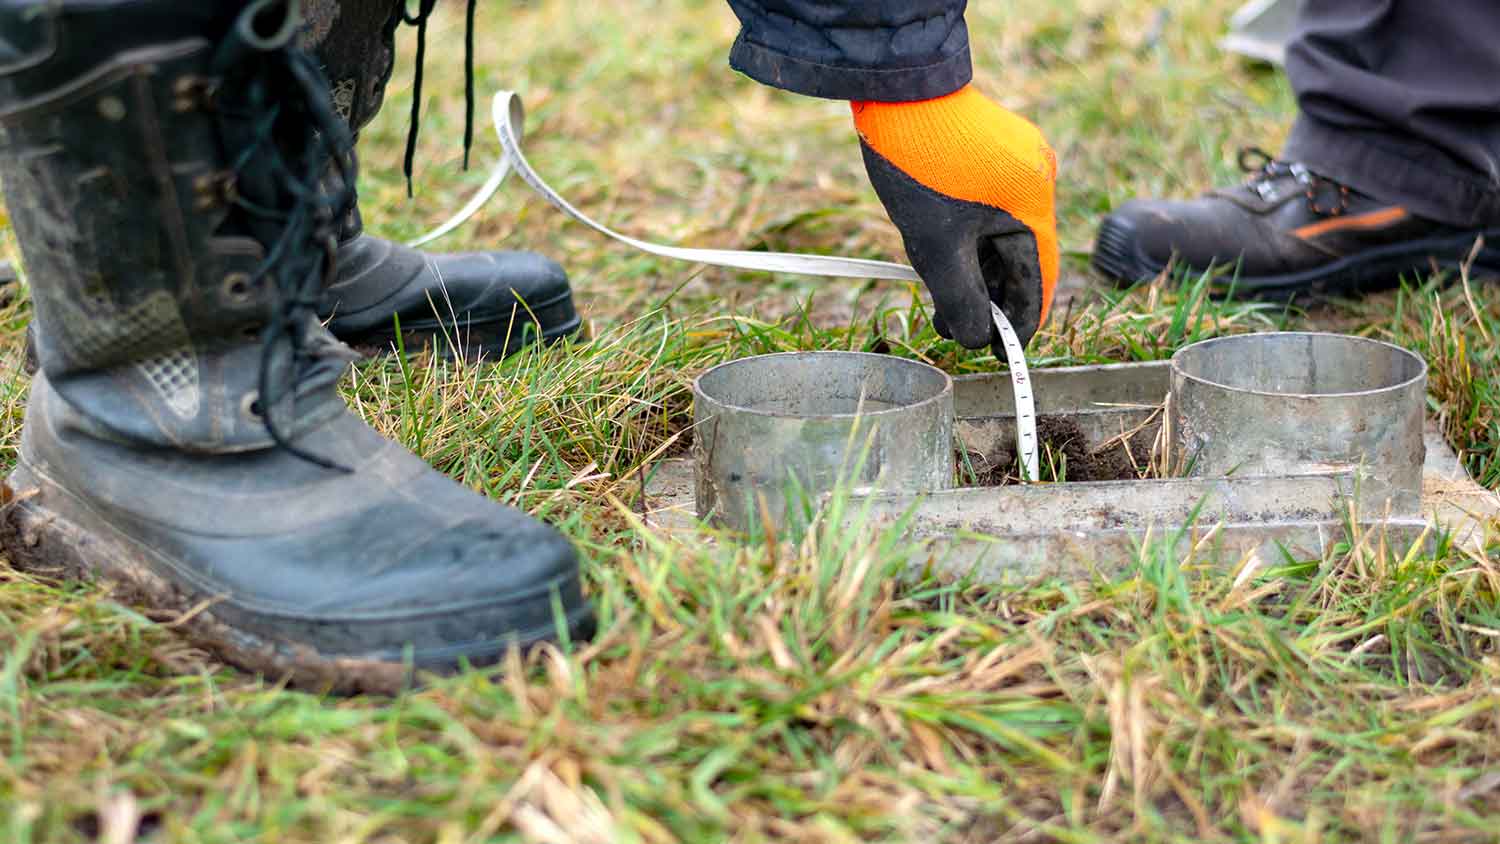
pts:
pixel 966 146
pixel 1368 220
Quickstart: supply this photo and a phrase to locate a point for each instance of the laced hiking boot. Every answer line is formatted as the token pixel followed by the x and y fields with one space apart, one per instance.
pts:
pixel 473 304
pixel 164 164
pixel 1286 231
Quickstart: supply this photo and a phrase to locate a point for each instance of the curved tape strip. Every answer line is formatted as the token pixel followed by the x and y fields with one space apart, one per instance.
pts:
pixel 491 186
pixel 1020 385
pixel 776 262
pixel 509 118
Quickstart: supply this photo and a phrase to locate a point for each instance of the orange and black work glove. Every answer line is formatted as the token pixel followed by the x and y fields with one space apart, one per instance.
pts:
pixel 970 186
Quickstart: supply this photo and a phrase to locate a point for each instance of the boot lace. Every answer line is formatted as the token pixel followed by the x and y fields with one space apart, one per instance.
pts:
pixel 1265 170
pixel 419 19
pixel 283 130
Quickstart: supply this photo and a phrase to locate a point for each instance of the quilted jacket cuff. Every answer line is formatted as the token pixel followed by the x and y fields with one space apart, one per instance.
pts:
pixel 834 82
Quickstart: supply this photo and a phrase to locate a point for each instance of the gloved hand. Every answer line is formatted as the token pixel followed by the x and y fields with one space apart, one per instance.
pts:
pixel 970 186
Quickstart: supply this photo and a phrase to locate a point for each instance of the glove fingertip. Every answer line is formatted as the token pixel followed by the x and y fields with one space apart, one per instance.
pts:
pixel 940 325
pixel 973 330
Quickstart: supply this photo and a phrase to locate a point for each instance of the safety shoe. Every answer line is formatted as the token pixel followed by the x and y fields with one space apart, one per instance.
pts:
pixel 164 165
pixel 473 304
pixel 1286 231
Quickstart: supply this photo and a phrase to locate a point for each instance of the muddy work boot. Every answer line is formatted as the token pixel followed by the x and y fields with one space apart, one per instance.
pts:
pixel 164 166
pixel 473 304
pixel 1284 232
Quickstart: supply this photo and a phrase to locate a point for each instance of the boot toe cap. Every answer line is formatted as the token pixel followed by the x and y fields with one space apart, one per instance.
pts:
pixel 1120 252
pixel 478 286
pixel 465 590
pixel 476 303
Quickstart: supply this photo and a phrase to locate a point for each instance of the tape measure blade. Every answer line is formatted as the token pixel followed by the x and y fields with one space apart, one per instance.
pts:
pixel 1020 379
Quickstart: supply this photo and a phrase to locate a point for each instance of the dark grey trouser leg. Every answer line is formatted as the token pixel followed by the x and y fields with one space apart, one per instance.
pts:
pixel 1401 100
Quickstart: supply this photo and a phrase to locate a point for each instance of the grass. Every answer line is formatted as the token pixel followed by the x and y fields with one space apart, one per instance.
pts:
pixel 810 689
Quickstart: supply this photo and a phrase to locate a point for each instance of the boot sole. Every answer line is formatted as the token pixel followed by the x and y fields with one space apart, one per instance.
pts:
pixel 493 338
pixel 1117 257
pixel 50 542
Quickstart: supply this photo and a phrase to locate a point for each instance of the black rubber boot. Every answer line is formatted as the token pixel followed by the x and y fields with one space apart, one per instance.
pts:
pixel 473 304
pixel 1285 232
pixel 478 303
pixel 164 165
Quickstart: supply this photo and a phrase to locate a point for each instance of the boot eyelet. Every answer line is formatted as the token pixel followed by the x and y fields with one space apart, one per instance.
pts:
pixel 191 93
pixel 203 188
pixel 250 405
pixel 112 109
pixel 238 288
pixel 215 189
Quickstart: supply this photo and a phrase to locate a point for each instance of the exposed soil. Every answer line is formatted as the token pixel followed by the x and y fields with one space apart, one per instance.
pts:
pixel 1070 456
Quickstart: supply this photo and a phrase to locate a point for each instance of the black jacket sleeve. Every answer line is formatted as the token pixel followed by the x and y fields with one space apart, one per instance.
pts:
pixel 887 50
